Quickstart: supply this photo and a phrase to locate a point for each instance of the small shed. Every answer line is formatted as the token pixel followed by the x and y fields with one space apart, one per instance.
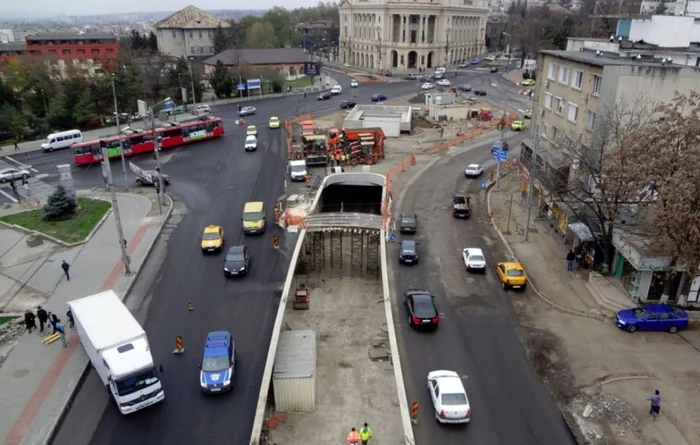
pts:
pixel 294 374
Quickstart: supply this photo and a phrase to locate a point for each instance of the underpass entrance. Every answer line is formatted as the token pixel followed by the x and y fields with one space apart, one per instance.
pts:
pixel 341 250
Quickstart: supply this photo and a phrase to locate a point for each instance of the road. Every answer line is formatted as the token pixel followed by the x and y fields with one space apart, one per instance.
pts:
pixel 476 338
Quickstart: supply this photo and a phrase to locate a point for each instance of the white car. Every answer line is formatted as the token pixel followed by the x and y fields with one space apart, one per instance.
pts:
pixel 474 259
pixel 247 111
pixel 336 90
pixel 490 58
pixel 473 171
pixel 251 143
pixel 450 401
pixel 427 86
pixel 354 84
pixel 11 174
pixel 203 109
pixel 443 83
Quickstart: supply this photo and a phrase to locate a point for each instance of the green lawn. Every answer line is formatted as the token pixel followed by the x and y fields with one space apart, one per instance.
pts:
pixel 4 320
pixel 301 82
pixel 71 230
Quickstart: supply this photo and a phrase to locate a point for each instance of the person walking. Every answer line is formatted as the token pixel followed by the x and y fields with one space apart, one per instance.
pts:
pixel 62 332
pixel 66 267
pixel 570 257
pixel 13 187
pixel 353 437
pixel 71 320
pixel 655 404
pixel 29 320
pixel 365 434
pixel 53 319
pixel 43 318
pixel 16 146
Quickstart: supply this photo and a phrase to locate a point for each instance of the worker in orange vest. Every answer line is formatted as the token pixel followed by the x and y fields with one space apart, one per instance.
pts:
pixel 353 437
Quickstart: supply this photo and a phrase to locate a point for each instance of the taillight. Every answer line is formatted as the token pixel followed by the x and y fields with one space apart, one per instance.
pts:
pixel 469 412
pixel 415 319
pixel 435 319
pixel 442 413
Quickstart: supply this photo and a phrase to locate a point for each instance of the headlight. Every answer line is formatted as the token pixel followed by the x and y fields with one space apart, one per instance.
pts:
pixel 242 268
pixel 621 321
pixel 227 382
pixel 226 269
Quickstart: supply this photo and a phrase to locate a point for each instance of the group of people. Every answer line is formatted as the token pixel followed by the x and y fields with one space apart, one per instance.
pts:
pixel 575 256
pixel 363 436
pixel 45 318
pixel 25 184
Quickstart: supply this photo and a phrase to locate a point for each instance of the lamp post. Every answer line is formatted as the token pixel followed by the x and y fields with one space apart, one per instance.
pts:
pixel 194 98
pixel 447 47
pixel 531 183
pixel 43 97
pixel 119 130
pixel 379 47
pixel 156 150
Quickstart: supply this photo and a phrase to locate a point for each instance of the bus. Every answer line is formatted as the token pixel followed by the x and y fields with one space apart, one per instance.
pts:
pixel 86 153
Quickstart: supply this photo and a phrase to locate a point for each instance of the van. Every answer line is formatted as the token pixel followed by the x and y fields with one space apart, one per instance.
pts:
pixel 297 170
pixel 64 139
pixel 253 218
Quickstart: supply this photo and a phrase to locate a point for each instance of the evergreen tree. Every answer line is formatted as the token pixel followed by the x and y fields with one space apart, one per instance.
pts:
pixel 223 39
pixel 84 110
pixel 60 205
pixel 152 42
pixel 221 81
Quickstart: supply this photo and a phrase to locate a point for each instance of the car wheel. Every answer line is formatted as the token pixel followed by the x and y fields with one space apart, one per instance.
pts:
pixel 25 176
pixel 524 287
pixel 139 182
pixel 632 329
pixel 505 286
pixel 673 329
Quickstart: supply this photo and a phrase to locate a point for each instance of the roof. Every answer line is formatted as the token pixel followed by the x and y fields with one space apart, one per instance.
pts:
pixel 211 228
pixel 236 249
pixel 516 266
pixel 605 59
pixel 277 56
pixel 71 36
pixel 129 361
pixel 191 17
pixel 296 355
pixel 473 251
pixel 13 46
pixel 217 344
pixel 448 380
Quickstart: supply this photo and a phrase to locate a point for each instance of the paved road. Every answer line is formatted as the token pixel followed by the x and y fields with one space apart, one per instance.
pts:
pixel 510 405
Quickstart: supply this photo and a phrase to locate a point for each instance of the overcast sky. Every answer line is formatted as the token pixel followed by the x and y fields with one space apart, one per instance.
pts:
pixel 94 7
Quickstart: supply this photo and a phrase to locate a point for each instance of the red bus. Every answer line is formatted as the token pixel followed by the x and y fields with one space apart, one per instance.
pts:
pixel 85 153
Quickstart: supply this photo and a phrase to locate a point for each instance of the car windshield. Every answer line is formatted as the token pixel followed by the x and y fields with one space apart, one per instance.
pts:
pixel 423 308
pixel 210 236
pixel 211 364
pixel 476 258
pixel 407 220
pixel 473 169
pixel 455 399
pixel 408 247
pixel 252 216
pixel 298 168
pixel 516 273
pixel 235 256
pixel 250 139
pixel 136 382
pixel 639 313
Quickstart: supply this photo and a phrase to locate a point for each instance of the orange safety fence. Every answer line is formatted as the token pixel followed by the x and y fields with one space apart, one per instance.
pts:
pixel 294 220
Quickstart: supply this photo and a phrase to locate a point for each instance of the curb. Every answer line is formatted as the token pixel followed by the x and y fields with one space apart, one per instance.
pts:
pixel 554 305
pixel 53 427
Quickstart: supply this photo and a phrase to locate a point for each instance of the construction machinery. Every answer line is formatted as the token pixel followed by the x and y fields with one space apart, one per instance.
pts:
pixel 359 146
pixel 303 143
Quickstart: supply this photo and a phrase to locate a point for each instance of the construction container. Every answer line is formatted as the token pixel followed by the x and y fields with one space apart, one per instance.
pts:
pixel 294 374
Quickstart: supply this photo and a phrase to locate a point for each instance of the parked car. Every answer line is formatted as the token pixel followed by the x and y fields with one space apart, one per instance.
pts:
pixel 408 252
pixel 450 401
pixel 501 145
pixel 13 174
pixel 408 223
pixel 324 96
pixel 347 104
pixel 464 87
pixel 517 125
pixel 218 363
pixel 473 171
pixel 444 83
pixel 420 305
pixel 494 69
pixel 386 73
pixel 427 86
pixel 474 259
pixel 378 98
pixel 410 77
pixel 480 92
pixel 247 111
pixel 528 82
pixel 652 317
pixel 236 262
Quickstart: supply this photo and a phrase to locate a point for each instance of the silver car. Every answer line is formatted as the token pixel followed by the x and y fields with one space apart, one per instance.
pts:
pixel 247 111
pixel 11 174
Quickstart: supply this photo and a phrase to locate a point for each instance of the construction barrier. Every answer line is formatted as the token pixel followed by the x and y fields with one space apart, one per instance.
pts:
pixel 179 348
pixel 51 338
pixel 275 242
pixel 189 306
pixel 492 176
pixel 414 412
pixel 307 179
pixel 506 164
pixel 490 216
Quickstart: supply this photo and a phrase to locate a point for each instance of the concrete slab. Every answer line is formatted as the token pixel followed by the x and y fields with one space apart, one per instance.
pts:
pixel 348 318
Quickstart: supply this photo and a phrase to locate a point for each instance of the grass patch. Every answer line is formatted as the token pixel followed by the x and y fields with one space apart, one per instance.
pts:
pixel 301 82
pixel 4 320
pixel 69 231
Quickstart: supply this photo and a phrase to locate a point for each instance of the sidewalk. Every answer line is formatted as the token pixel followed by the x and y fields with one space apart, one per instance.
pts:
pixel 514 76
pixel 36 380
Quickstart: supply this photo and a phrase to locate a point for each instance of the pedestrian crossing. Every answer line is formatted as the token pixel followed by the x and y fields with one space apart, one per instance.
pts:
pixel 36 188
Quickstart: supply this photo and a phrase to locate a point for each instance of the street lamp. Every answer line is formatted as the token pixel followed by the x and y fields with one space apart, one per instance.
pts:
pixel 43 96
pixel 379 47
pixel 156 149
pixel 119 130
pixel 447 47
pixel 194 98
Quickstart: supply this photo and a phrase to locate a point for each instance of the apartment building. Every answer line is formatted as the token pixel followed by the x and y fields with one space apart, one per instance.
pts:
pixel 411 34
pixel 188 33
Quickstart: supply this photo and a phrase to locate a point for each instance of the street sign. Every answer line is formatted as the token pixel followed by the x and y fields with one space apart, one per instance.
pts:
pixel 516 161
pixel 483 184
pixel 241 86
pixel 498 154
pixel 392 237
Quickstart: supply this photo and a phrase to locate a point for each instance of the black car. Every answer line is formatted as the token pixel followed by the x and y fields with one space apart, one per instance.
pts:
pixel 494 69
pixel 236 262
pixel 410 77
pixel 421 309
pixel 480 92
pixel 408 252
pixel 324 96
pixel 408 224
pixel 378 98
pixel 347 104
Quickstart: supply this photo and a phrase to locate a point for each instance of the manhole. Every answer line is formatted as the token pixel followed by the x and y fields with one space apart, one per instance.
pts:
pixel 20 373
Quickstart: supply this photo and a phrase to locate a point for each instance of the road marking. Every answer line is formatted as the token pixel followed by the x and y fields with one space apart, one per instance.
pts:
pixel 28 167
pixel 43 175
pixel 8 195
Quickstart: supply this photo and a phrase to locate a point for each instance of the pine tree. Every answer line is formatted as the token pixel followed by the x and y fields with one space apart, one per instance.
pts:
pixel 60 205
pixel 222 81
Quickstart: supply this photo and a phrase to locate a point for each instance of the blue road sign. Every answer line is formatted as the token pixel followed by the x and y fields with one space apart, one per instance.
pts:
pixel 483 185
pixel 498 155
pixel 392 237
pixel 241 86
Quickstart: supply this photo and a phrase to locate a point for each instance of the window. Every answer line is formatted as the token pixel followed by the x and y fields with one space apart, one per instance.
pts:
pixel 552 73
pixel 590 120
pixel 95 52
pixel 81 51
pixel 548 101
pixel 573 112
pixel 209 34
pixel 174 34
pixel 577 79
pixel 554 133
pixel 545 130
pixel 597 80
pixel 52 52
pixel 192 50
pixel 201 50
pixel 211 50
pixel 564 75
pixel 190 34
pixel 560 106
pixel 110 50
pixel 200 34
pixel 66 52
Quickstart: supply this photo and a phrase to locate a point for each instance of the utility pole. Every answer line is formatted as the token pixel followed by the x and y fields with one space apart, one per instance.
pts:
pixel 115 206
pixel 194 98
pixel 503 139
pixel 531 182
pixel 119 131
pixel 156 150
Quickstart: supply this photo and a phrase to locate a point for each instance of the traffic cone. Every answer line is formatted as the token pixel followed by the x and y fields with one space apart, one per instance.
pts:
pixel 179 348
pixel 189 306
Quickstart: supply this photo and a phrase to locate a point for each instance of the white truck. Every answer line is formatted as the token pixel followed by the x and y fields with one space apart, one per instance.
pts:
pixel 117 347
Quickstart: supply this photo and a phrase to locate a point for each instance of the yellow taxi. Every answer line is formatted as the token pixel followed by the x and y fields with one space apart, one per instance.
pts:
pixel 251 130
pixel 274 122
pixel 212 239
pixel 527 114
pixel 517 125
pixel 528 82
pixel 511 275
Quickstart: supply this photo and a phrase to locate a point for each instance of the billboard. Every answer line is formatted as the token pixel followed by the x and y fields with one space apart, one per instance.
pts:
pixel 254 84
pixel 312 68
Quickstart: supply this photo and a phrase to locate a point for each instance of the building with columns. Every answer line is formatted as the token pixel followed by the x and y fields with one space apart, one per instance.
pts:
pixel 411 34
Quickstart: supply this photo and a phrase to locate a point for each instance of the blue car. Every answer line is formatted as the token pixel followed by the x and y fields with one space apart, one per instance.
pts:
pixel 475 61
pixel 378 98
pixel 218 364
pixel 652 317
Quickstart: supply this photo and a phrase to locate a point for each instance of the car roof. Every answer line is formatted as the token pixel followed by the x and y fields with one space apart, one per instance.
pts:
pixel 473 251
pixel 449 381
pixel 417 292
pixel 408 216
pixel 408 243
pixel 251 136
pixel 217 343
pixel 236 249
pixel 511 266
pixel 211 228
pixel 659 308
pixel 473 166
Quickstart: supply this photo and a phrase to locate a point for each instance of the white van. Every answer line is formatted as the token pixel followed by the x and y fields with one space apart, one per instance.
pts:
pixel 440 70
pixel 64 139
pixel 297 170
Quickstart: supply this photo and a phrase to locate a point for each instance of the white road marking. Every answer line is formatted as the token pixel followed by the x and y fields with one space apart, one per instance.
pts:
pixel 10 197
pixel 43 175
pixel 29 167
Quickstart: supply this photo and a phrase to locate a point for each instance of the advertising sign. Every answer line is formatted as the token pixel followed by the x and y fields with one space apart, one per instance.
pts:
pixel 530 64
pixel 241 86
pixel 254 84
pixel 312 68
pixel 198 134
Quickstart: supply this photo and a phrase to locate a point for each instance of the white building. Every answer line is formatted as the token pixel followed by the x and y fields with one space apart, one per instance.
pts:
pixel 7 36
pixel 188 33
pixel 411 34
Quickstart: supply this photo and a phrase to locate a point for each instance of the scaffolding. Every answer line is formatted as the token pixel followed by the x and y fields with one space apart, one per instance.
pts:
pixel 341 251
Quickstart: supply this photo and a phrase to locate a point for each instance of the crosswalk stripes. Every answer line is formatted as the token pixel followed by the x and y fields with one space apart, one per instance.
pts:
pixel 37 188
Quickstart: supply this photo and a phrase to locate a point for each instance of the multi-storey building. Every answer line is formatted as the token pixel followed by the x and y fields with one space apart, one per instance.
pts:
pixel 188 33
pixel 401 34
pixel 89 53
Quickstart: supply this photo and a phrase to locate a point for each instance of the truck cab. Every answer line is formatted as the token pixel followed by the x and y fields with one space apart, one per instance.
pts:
pixel 297 170
pixel 461 206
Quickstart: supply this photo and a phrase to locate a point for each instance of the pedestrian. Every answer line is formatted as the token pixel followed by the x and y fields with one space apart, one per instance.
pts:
pixel 62 332
pixel 16 146
pixel 42 316
pixel 570 257
pixel 71 320
pixel 26 188
pixel 13 186
pixel 29 322
pixel 655 404
pixel 239 108
pixel 65 266
pixel 53 319
pixel 365 434
pixel 353 437
pixel 579 259
pixel 442 132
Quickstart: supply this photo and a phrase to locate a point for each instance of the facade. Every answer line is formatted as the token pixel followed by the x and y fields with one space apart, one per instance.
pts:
pixel 287 61
pixel 410 35
pixel 90 53
pixel 7 36
pixel 188 33
pixel 317 34
pixel 573 90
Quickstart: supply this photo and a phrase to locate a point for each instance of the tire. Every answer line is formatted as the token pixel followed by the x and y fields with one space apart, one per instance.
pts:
pixel 437 416
pixel 2 180
pixel 25 176
pixel 632 329
pixel 505 286
pixel 523 288
pixel 139 182
pixel 673 329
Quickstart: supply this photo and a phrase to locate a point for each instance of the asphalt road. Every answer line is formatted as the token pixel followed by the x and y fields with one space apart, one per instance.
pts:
pixel 476 337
